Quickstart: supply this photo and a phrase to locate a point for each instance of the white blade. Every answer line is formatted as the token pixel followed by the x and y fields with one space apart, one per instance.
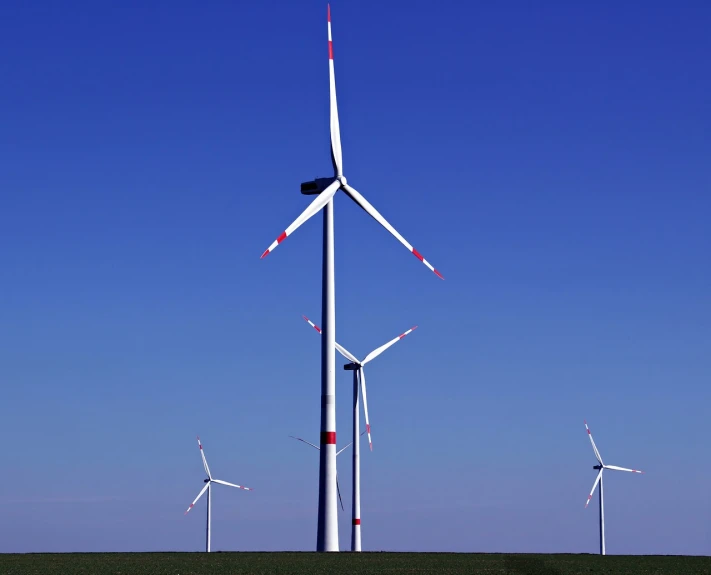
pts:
pixel 204 461
pixel 366 205
pixel 321 200
pixel 306 442
pixel 597 480
pixel 338 488
pixel 342 350
pixel 336 155
pixel 365 405
pixel 597 453
pixel 615 468
pixel 376 352
pixel 198 497
pixel 231 484
pixel 342 449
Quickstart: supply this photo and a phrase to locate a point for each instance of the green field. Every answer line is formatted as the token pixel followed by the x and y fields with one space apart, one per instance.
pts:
pixel 386 563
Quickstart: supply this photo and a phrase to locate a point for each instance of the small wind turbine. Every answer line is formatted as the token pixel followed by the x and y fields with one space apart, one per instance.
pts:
pixel 338 488
pixel 357 367
pixel 208 482
pixel 601 466
pixel 325 189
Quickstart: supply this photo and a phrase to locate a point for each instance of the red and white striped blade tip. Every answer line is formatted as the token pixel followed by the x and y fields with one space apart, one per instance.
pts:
pixel 312 324
pixel 408 331
pixel 588 501
pixel 270 249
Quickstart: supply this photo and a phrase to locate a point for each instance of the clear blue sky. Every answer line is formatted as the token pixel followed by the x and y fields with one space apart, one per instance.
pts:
pixel 552 160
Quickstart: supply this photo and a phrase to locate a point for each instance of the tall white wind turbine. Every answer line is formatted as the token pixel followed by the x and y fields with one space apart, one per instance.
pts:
pixel 601 467
pixel 326 188
pixel 358 369
pixel 208 487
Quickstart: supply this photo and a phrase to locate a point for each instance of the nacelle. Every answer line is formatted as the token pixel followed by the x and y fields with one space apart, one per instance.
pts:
pixel 315 187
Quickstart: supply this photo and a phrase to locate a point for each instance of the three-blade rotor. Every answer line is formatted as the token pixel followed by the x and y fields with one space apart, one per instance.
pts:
pixel 340 181
pixel 341 450
pixel 361 371
pixel 210 479
pixel 602 466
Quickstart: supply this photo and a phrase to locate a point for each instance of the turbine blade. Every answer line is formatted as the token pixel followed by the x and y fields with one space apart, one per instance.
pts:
pixel 198 497
pixel 338 488
pixel 319 202
pixel 367 206
pixel 204 461
pixel 597 453
pixel 615 468
pixel 376 352
pixel 361 372
pixel 342 449
pixel 342 350
pixel 336 155
pixel 231 484
pixel 306 442
pixel 597 480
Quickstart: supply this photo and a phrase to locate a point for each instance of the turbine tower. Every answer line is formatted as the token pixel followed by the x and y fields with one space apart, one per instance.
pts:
pixel 326 188
pixel 357 367
pixel 601 467
pixel 341 450
pixel 208 487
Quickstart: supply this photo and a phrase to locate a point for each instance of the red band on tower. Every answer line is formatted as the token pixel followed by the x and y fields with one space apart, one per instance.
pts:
pixel 356 522
pixel 328 438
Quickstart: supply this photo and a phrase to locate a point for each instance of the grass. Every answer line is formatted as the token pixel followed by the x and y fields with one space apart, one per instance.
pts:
pixel 332 563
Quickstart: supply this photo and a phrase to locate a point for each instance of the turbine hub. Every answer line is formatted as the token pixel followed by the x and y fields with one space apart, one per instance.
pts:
pixel 342 179
pixel 206 481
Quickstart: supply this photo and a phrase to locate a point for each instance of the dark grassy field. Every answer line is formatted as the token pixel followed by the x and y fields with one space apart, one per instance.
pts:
pixel 303 563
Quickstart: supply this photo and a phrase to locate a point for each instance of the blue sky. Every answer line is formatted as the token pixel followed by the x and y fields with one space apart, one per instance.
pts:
pixel 551 160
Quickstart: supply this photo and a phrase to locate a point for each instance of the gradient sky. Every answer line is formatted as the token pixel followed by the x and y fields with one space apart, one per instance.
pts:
pixel 551 159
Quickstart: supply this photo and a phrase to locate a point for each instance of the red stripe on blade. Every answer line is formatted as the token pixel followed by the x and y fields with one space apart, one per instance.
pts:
pixel 417 254
pixel 328 438
pixel 356 522
pixel 439 275
pixel 281 238
pixel 330 50
pixel 329 12
pixel 264 255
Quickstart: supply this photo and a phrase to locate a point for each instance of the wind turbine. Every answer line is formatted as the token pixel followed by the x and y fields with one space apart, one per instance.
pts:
pixel 337 454
pixel 357 367
pixel 601 466
pixel 208 487
pixel 326 188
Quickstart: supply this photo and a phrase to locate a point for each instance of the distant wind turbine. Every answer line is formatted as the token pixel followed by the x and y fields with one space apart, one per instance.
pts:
pixel 208 487
pixel 358 369
pixel 601 466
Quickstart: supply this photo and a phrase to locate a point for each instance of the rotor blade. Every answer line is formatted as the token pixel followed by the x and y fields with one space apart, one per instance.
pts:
pixel 321 200
pixel 597 453
pixel 366 205
pixel 336 155
pixel 198 497
pixel 306 442
pixel 615 468
pixel 365 405
pixel 232 484
pixel 342 449
pixel 204 461
pixel 338 488
pixel 597 480
pixel 376 352
pixel 342 350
